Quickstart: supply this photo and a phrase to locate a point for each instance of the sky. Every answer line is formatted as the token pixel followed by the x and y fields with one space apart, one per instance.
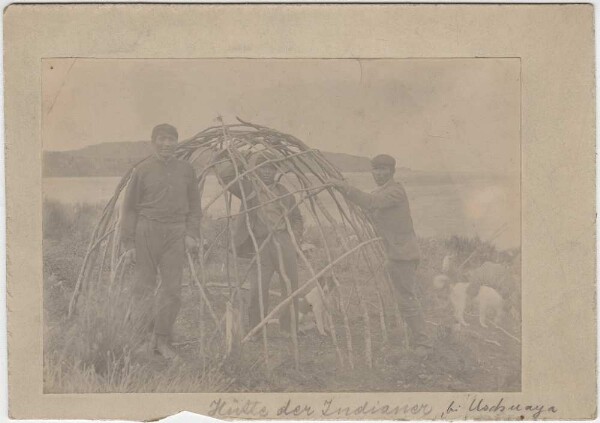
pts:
pixel 431 114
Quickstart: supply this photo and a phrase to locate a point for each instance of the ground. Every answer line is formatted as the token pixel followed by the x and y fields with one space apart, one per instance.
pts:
pixel 98 350
pixel 463 359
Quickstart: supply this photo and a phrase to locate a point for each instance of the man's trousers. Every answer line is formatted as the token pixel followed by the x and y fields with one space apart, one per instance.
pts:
pixel 285 264
pixel 403 276
pixel 160 248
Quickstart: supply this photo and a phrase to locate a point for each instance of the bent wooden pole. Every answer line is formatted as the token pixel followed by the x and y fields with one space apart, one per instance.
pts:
pixel 261 304
pixel 244 173
pixel 321 293
pixel 83 273
pixel 288 285
pixel 201 289
pixel 305 287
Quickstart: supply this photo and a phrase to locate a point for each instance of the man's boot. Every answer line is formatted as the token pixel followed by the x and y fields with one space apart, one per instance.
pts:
pixel 163 347
pixel 145 347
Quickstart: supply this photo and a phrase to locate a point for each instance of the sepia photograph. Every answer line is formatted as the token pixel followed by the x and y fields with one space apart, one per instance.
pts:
pixel 300 211
pixel 281 225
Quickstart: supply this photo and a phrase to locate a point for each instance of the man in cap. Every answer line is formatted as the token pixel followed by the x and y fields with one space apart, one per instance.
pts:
pixel 160 222
pixel 390 212
pixel 278 254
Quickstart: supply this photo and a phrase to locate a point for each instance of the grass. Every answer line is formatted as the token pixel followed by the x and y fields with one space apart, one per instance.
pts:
pixel 98 349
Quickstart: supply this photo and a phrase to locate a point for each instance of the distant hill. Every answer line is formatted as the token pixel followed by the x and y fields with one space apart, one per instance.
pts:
pixel 115 158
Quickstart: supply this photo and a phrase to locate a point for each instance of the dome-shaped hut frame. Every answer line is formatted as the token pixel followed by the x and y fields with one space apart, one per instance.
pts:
pixel 343 232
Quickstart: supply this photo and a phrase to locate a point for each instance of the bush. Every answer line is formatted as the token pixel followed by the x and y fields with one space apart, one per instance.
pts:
pixel 75 222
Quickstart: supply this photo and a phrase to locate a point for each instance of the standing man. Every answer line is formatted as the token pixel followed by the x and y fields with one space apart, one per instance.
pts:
pixel 278 254
pixel 390 212
pixel 160 222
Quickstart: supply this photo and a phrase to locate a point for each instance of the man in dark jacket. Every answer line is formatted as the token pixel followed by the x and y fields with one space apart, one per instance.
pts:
pixel 160 221
pixel 390 212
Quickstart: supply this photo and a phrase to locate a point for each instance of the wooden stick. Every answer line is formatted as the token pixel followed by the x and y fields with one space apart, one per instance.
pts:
pixel 199 285
pixel 83 273
pixel 301 254
pixel 235 293
pixel 273 200
pixel 495 235
pixel 261 305
pixel 288 284
pixel 300 290
pixel 115 248
pixel 242 174
pixel 312 201
pixel 367 325
pixel 103 261
pixel 507 333
pixel 355 228
pixel 288 225
pixel 120 264
pixel 321 293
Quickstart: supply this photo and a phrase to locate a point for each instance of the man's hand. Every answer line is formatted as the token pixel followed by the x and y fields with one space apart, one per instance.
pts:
pixel 339 184
pixel 191 245
pixel 130 256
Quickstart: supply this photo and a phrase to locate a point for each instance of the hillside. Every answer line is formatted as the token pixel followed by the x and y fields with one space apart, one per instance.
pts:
pixel 115 158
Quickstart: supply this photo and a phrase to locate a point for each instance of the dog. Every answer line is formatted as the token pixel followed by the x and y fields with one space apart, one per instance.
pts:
pixel 489 302
pixel 313 308
pixel 318 305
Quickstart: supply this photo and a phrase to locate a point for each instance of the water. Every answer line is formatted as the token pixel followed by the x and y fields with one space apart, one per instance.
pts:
pixel 475 207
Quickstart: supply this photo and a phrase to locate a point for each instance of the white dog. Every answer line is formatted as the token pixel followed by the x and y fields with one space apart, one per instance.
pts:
pixel 318 305
pixel 314 305
pixel 489 302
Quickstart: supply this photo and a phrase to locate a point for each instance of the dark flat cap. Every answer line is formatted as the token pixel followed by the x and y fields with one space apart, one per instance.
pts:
pixel 383 160
pixel 164 129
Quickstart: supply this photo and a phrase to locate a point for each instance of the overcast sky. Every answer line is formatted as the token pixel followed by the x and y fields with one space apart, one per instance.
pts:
pixel 430 114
